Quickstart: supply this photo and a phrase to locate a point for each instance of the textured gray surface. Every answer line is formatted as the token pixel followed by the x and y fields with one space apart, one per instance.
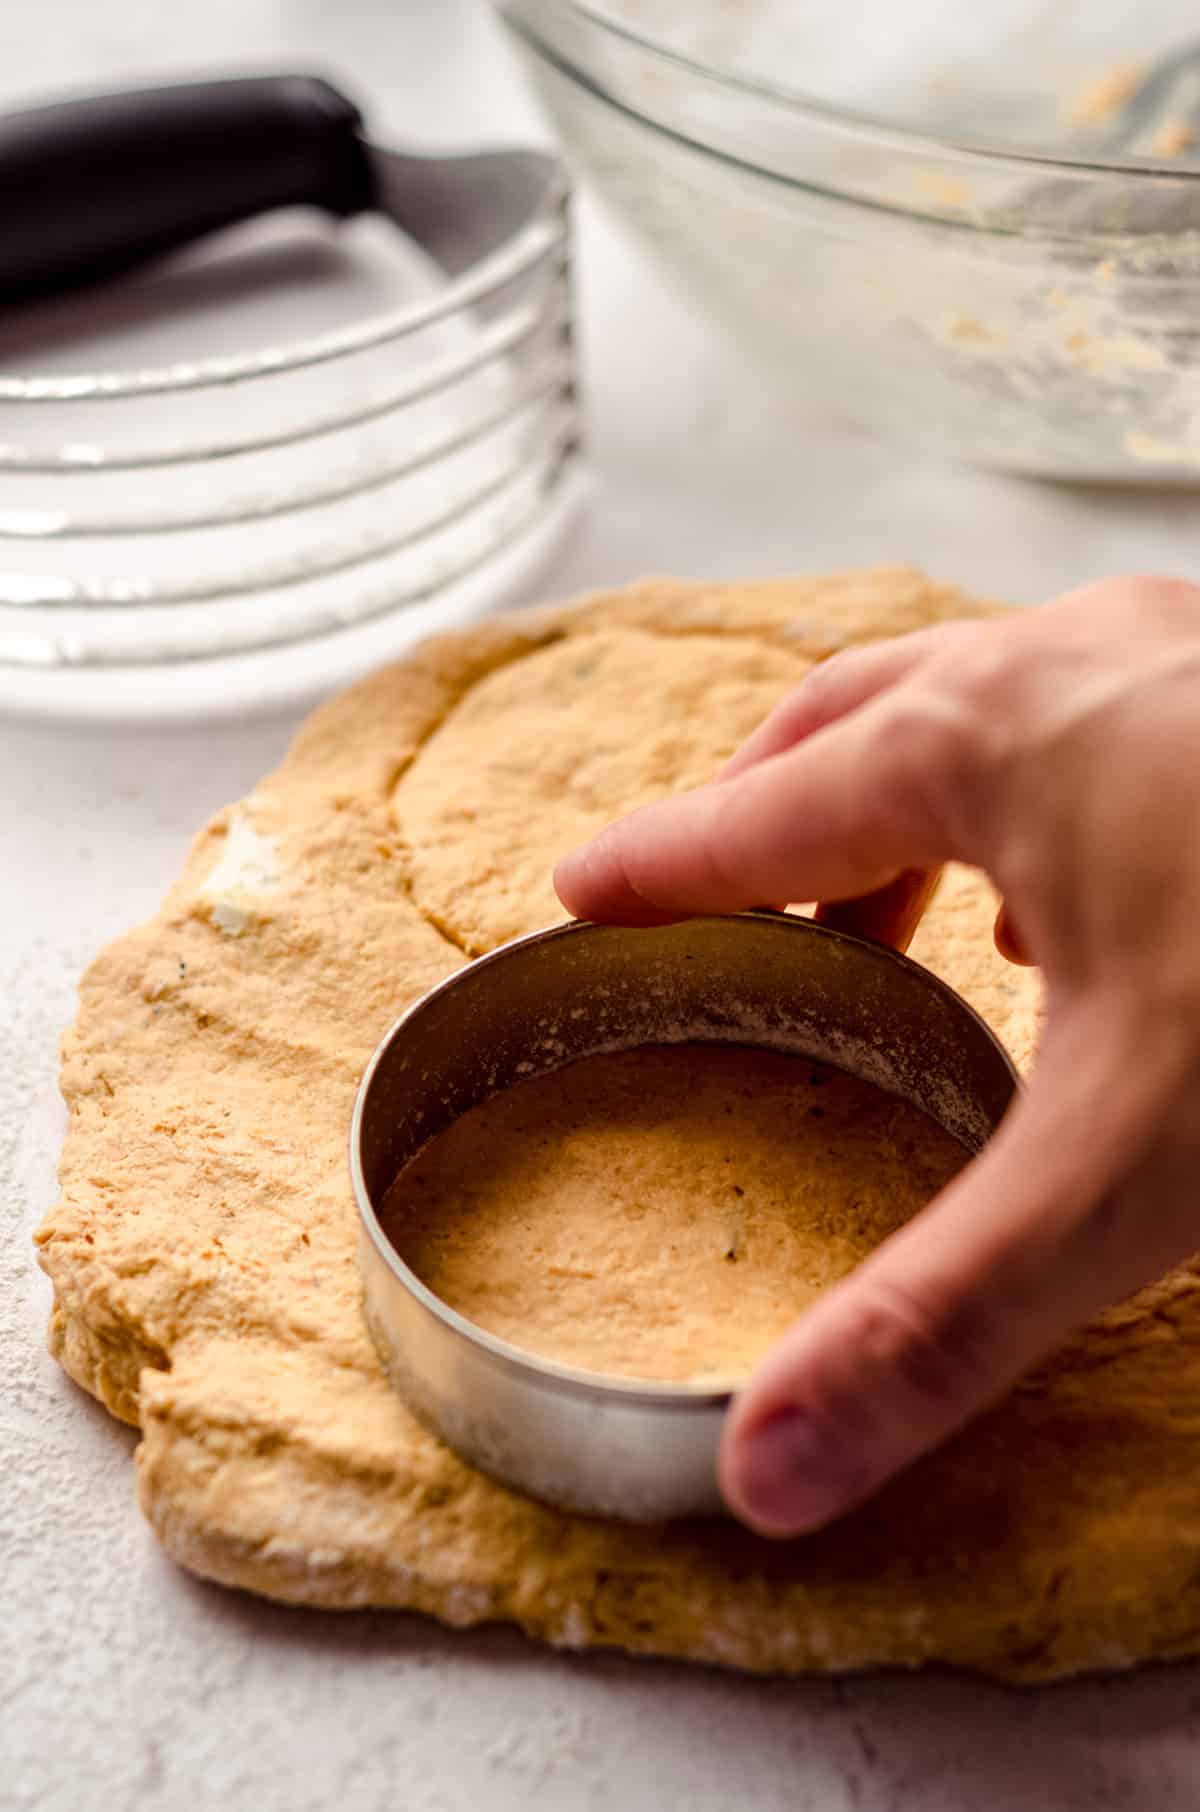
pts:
pixel 123 1684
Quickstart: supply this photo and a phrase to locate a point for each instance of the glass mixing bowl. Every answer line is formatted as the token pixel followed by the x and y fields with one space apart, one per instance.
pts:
pixel 1026 309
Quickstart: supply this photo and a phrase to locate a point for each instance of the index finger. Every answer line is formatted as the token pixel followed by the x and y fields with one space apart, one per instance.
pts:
pixel 836 686
pixel 836 816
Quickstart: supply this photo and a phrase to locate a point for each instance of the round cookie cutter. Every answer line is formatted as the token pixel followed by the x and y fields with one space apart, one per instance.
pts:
pixel 642 1450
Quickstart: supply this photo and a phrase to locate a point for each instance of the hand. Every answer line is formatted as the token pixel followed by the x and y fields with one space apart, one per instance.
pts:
pixel 1059 749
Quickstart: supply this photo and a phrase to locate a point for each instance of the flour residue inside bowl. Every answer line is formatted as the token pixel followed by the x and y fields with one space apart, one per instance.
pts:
pixel 1021 73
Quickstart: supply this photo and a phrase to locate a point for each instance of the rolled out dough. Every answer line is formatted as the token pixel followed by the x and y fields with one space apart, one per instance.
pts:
pixel 664 1212
pixel 202 1252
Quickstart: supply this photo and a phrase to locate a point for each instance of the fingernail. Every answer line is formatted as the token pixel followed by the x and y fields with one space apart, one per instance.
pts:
pixel 567 871
pixel 789 1476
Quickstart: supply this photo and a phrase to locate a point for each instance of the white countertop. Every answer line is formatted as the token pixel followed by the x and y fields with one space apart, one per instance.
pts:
pixel 125 1684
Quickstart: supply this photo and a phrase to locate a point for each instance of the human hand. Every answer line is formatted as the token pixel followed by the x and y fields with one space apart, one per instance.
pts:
pixel 1058 749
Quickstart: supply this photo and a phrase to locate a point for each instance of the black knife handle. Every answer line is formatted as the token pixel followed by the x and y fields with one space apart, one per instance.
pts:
pixel 90 187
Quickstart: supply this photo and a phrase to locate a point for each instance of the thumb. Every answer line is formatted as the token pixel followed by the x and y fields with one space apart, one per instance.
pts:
pixel 945 1315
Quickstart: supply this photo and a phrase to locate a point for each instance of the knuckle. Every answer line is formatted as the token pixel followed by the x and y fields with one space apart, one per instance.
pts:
pixel 939 1358
pixel 1174 603
pixel 922 754
pixel 806 700
pixel 954 733
pixel 826 682
pixel 831 666
pixel 989 677
pixel 1143 592
pixel 1084 621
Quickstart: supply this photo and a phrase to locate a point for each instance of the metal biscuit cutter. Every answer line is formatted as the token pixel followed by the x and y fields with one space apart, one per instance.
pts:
pixel 644 1451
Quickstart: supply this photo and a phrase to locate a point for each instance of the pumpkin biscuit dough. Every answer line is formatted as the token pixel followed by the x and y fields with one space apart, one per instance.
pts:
pixel 663 1212
pixel 203 1250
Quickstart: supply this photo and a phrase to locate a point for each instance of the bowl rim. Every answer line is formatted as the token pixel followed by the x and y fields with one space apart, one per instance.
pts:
pixel 833 116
